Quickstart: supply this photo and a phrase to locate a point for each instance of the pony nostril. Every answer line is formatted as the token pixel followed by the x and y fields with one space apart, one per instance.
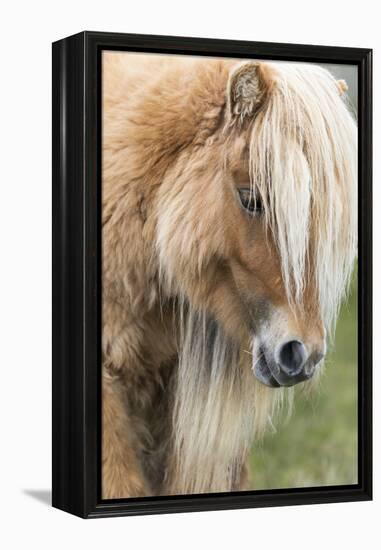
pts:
pixel 292 357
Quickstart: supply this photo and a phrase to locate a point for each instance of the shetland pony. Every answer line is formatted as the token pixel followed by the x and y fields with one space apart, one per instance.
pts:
pixel 229 236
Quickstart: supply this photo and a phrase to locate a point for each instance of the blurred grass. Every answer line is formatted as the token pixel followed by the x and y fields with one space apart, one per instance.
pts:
pixel 318 445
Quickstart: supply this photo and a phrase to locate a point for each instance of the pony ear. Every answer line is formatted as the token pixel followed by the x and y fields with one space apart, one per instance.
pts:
pixel 247 87
pixel 342 86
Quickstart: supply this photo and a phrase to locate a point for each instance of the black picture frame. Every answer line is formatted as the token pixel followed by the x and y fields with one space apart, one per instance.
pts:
pixel 77 273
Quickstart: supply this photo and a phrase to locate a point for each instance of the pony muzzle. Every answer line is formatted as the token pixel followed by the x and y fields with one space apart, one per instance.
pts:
pixel 290 364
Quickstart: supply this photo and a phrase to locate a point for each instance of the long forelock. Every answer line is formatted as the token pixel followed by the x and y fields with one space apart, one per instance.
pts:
pixel 303 163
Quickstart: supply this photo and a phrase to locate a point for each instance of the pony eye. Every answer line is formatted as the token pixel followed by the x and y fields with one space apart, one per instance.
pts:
pixel 251 202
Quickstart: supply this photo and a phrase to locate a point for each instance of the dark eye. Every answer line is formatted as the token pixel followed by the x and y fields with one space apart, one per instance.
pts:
pixel 249 200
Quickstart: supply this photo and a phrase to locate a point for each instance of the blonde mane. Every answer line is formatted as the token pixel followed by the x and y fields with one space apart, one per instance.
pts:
pixel 303 160
pixel 219 409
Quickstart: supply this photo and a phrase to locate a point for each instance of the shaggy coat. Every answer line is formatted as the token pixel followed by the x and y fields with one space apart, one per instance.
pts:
pixel 192 286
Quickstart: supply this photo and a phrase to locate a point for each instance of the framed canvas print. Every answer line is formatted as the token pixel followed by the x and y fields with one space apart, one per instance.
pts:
pixel 211 274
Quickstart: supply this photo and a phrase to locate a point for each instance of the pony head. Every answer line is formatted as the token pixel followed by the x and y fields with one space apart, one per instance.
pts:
pixel 257 222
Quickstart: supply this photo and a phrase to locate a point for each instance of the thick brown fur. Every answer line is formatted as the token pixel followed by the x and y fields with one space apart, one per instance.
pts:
pixel 176 136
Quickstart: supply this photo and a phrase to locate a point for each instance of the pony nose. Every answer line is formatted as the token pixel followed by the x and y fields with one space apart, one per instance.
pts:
pixel 292 357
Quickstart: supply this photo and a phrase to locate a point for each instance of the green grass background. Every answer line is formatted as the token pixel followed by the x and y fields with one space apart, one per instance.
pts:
pixel 317 445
